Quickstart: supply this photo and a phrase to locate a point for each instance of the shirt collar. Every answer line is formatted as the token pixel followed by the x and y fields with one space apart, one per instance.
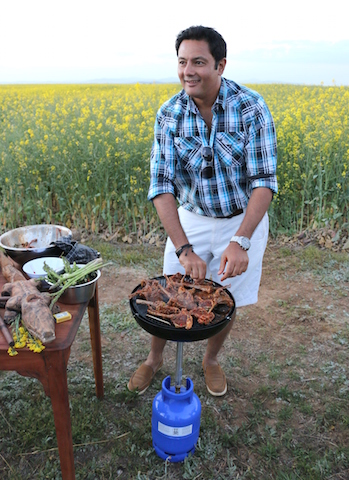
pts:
pixel 221 99
pixel 222 95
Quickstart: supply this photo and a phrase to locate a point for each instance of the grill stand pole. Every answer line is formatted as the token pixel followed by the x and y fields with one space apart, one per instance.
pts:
pixel 179 363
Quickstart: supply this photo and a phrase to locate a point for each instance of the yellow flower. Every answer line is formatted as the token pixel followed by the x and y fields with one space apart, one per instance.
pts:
pixel 12 352
pixel 25 340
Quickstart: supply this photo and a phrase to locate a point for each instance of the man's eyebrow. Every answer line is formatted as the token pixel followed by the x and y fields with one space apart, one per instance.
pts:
pixel 195 58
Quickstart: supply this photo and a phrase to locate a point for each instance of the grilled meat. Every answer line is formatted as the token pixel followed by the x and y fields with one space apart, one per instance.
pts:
pixel 181 300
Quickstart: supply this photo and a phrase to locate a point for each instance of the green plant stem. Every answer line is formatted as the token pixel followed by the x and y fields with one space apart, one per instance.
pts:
pixel 71 279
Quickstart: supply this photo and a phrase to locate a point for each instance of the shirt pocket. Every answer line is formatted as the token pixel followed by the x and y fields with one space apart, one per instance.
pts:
pixel 230 148
pixel 188 152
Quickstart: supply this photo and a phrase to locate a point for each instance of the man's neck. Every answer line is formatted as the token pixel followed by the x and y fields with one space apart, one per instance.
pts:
pixel 205 104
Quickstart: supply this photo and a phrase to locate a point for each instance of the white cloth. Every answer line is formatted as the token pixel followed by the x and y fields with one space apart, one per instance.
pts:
pixel 210 237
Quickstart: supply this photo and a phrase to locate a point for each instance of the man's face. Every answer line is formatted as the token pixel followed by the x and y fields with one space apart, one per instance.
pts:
pixel 197 72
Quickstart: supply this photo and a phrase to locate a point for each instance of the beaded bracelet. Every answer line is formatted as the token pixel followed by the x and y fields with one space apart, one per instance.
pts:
pixel 181 249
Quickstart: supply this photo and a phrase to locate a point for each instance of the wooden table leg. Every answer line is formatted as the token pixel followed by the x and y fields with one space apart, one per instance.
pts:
pixel 57 388
pixel 95 334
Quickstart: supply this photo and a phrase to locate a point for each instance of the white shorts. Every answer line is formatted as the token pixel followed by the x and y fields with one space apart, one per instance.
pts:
pixel 210 237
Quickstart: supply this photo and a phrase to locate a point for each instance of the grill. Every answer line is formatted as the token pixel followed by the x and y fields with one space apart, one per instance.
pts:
pixel 163 329
pixel 176 409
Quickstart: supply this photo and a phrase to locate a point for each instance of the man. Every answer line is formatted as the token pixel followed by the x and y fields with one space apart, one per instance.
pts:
pixel 214 152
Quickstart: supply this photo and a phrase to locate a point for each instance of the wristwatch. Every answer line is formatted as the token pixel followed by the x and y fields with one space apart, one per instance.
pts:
pixel 244 242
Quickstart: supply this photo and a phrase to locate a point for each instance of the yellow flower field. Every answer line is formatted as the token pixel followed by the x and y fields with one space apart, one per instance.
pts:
pixel 79 154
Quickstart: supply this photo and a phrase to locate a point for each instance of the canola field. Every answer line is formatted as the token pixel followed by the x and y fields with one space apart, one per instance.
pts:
pixel 78 155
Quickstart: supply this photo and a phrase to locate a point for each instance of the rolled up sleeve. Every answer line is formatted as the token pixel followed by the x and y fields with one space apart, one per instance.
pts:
pixel 261 149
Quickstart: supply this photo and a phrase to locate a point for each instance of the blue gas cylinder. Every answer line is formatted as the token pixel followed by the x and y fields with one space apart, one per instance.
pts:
pixel 175 421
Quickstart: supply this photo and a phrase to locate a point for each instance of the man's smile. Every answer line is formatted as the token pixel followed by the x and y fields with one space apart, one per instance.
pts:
pixel 192 82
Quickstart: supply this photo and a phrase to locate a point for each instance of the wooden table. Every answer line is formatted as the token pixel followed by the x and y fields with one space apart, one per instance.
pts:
pixel 50 367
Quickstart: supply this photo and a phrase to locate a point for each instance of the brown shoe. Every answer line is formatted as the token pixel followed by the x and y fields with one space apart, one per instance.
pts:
pixel 142 378
pixel 216 382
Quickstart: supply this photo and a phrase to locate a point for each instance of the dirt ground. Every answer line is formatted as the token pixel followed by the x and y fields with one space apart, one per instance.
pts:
pixel 294 308
pixel 285 291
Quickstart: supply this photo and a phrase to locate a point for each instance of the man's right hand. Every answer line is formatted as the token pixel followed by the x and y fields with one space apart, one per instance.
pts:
pixel 194 266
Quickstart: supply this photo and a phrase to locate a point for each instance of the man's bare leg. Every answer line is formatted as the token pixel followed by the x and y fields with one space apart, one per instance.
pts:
pixel 155 354
pixel 215 343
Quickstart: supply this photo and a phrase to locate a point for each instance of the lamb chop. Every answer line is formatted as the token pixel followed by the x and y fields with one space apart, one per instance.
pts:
pixel 174 279
pixel 183 299
pixel 180 317
pixel 207 303
pixel 209 300
pixel 181 320
pixel 178 281
pixel 150 290
pixel 171 286
pixel 200 286
pixel 159 308
pixel 202 315
pixel 221 297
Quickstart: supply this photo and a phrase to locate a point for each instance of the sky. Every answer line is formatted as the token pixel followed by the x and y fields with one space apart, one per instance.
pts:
pixel 75 41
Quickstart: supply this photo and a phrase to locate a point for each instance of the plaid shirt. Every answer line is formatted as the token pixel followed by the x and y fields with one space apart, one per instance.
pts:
pixel 243 139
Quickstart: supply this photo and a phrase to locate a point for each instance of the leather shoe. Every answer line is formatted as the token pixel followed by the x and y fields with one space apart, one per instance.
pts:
pixel 142 378
pixel 216 382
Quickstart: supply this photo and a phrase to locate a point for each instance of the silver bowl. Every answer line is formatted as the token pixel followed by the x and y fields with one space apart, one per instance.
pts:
pixel 33 241
pixel 80 293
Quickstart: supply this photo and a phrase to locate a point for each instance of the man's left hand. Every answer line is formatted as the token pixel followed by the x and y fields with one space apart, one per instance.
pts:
pixel 234 261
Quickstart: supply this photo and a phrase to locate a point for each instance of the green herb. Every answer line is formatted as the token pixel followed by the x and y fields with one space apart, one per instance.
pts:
pixel 72 275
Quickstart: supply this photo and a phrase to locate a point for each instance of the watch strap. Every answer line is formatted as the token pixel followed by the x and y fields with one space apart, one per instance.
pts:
pixel 181 249
pixel 241 241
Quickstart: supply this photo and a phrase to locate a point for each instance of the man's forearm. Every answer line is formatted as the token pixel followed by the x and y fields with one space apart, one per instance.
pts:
pixel 166 208
pixel 256 208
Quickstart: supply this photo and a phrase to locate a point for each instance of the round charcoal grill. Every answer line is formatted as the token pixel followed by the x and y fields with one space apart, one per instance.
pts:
pixel 162 328
pixel 167 331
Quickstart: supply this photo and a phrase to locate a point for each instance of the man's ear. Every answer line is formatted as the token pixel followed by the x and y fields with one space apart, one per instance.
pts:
pixel 221 66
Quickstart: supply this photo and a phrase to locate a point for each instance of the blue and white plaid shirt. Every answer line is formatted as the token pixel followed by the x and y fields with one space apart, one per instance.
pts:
pixel 243 139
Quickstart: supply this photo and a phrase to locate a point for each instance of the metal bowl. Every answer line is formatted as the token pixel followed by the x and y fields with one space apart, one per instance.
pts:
pixel 80 293
pixel 33 241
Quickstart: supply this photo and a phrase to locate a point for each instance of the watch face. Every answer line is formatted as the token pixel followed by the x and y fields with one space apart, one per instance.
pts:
pixel 245 243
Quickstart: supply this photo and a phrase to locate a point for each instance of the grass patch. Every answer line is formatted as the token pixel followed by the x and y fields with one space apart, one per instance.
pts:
pixel 285 416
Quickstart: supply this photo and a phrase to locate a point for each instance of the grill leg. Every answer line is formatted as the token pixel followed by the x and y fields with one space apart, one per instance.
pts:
pixel 179 363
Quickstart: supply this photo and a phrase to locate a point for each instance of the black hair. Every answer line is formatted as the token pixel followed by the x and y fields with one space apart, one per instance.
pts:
pixel 216 42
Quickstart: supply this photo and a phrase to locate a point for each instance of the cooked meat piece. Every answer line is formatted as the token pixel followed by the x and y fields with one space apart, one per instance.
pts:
pixel 207 303
pixel 183 299
pixel 200 286
pixel 177 280
pixel 179 317
pixel 150 290
pixel 159 308
pixel 221 297
pixel 203 316
pixel 183 319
